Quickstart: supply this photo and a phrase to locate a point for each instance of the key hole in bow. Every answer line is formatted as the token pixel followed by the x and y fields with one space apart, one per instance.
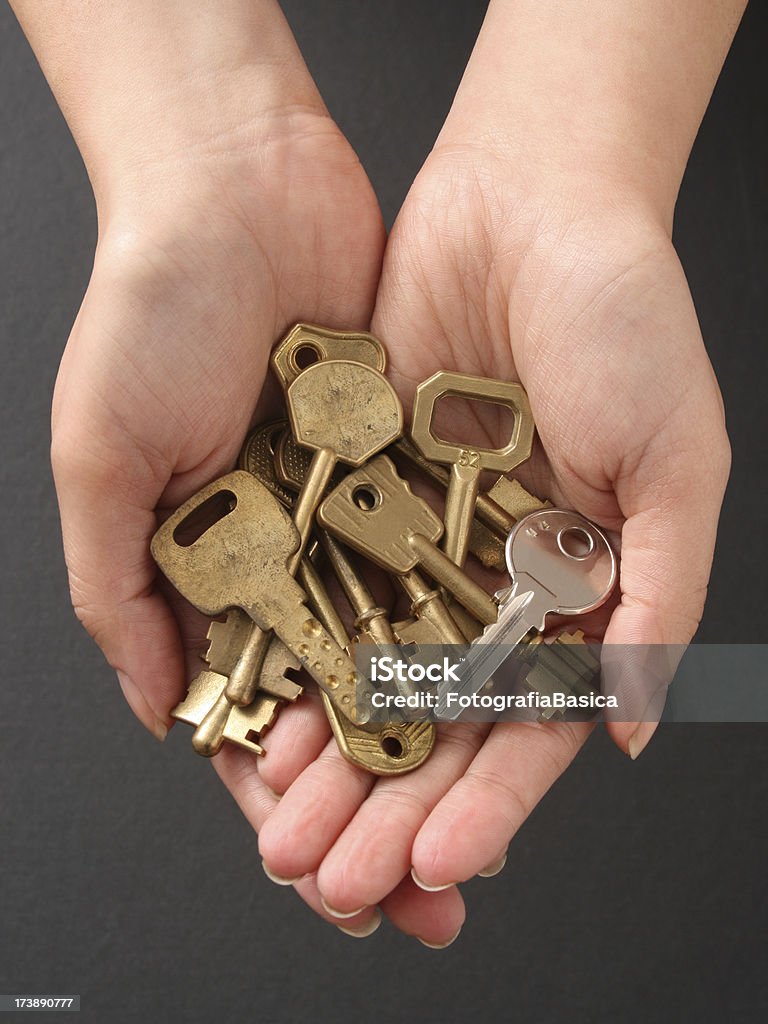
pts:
pixel 575 542
pixel 305 355
pixel 392 745
pixel 201 519
pixel 367 497
pixel 472 422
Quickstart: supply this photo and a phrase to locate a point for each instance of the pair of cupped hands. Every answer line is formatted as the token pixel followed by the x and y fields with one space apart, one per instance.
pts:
pixel 552 272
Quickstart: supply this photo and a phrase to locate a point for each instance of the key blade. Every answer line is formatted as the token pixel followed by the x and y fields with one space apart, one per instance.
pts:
pixel 518 615
pixel 329 665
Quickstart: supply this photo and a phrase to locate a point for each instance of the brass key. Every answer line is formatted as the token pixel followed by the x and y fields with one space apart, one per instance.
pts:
pixel 467 463
pixel 385 751
pixel 292 463
pixel 376 512
pixel 236 645
pixel 306 344
pixel 345 412
pixel 369 616
pixel 241 559
pixel 389 749
pixel 496 510
pixel 206 706
pixel 237 652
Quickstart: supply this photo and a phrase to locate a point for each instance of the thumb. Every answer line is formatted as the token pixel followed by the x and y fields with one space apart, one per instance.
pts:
pixel 107 491
pixel 110 476
pixel 671 502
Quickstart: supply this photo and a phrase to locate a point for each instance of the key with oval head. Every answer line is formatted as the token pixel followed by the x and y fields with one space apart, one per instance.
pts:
pixel 306 344
pixel 230 546
pixel 559 563
pixel 467 462
pixel 345 412
pixel 374 511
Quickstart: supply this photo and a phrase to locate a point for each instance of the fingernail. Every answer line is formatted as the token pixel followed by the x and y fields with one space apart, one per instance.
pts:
pixel 493 869
pixel 278 879
pixel 365 929
pixel 429 888
pixel 341 914
pixel 140 706
pixel 640 739
pixel 439 945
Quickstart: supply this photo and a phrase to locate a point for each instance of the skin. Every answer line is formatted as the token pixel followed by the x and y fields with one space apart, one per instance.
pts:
pixel 533 245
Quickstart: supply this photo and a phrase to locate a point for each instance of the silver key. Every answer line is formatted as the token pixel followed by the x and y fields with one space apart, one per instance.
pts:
pixel 559 563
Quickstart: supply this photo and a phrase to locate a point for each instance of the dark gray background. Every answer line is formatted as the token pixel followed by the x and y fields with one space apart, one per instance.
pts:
pixel 636 892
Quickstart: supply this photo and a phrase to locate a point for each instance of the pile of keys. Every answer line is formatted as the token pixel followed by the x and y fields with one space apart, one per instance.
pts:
pixel 315 492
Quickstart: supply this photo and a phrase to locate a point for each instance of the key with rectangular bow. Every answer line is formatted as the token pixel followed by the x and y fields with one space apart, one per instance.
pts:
pixel 229 546
pixel 375 511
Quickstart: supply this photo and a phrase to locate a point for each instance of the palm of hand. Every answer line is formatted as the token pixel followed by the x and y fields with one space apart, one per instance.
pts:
pixel 159 379
pixel 592 313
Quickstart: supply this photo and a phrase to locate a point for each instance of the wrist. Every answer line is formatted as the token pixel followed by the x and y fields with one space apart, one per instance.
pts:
pixel 152 89
pixel 609 94
pixel 603 171
pixel 532 204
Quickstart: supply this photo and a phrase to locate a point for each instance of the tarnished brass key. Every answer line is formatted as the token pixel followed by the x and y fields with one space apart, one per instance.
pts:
pixel 369 616
pixel 388 749
pixel 496 510
pixel 306 344
pixel 237 650
pixel 376 512
pixel 236 645
pixel 466 463
pixel 206 706
pixel 229 545
pixel 345 412
pixel 384 750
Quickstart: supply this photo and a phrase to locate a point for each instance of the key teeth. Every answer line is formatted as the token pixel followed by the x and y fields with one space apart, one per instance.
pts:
pixel 567 665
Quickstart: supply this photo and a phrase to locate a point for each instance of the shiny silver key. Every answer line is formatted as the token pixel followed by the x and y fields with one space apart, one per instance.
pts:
pixel 559 563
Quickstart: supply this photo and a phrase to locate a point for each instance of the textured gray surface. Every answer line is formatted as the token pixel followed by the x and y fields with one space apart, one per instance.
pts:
pixel 635 893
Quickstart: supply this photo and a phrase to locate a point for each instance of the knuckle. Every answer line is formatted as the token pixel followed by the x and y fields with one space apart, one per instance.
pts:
pixel 511 805
pixel 462 741
pixel 74 459
pixel 555 746
pixel 722 458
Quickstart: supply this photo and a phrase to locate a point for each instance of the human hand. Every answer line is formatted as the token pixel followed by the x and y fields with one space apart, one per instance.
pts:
pixel 561 275
pixel 588 306
pixel 227 211
pixel 140 229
